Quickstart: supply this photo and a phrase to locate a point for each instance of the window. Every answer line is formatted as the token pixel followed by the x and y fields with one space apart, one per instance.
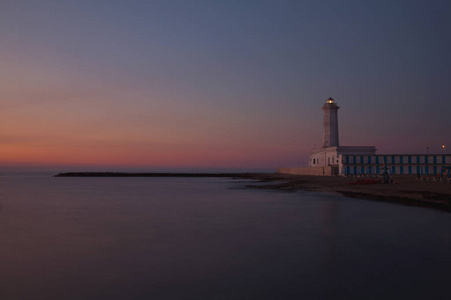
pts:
pixel 347 160
pixel 393 159
pixel 426 160
pixel 328 160
pixel 354 159
pixel 377 160
pixel 401 160
pixel 435 159
pixel 385 159
pixel 443 159
pixel 409 159
pixel 361 159
pixel 369 160
pixel 401 170
pixel 410 169
pixel 418 160
pixel 377 169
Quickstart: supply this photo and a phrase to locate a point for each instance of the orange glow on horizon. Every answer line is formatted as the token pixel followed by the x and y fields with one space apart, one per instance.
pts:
pixel 138 157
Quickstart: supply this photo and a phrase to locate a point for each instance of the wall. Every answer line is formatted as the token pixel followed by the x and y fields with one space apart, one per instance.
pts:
pixel 330 156
pixel 319 159
pixel 314 171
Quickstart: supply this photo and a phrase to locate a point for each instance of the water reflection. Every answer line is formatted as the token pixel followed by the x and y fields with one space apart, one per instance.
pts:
pixel 330 215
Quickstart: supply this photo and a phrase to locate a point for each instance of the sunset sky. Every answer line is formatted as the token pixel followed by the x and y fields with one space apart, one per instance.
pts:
pixel 221 85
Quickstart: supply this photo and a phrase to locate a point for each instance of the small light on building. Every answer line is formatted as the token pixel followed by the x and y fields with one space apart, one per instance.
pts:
pixel 330 100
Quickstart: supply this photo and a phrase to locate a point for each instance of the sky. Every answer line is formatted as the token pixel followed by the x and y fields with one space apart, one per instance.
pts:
pixel 218 85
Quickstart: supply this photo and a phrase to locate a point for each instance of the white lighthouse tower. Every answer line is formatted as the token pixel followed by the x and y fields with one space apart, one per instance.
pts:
pixel 330 124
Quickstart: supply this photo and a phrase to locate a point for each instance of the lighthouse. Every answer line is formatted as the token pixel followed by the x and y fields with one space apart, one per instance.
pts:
pixel 333 159
pixel 330 124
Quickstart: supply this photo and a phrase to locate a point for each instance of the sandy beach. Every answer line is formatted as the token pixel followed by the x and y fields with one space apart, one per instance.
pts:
pixel 406 189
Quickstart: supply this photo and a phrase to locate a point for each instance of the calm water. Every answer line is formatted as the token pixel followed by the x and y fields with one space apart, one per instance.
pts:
pixel 194 238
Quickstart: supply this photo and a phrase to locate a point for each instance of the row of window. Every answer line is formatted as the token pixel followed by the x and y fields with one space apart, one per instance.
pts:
pixel 408 170
pixel 385 159
pixel 316 160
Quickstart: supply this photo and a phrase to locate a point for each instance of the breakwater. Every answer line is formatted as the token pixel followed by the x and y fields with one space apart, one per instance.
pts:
pixel 125 174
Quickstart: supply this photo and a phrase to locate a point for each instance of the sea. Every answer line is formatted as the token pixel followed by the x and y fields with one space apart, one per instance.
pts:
pixel 212 238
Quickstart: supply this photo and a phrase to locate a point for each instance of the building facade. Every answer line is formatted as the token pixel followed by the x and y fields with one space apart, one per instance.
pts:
pixel 330 156
pixel 414 164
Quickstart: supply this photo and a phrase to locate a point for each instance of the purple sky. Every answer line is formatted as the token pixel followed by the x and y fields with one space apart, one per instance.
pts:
pixel 218 84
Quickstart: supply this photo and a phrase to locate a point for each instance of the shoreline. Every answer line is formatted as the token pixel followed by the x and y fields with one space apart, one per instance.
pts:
pixel 406 190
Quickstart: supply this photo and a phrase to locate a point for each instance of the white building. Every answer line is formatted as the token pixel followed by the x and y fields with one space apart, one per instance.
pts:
pixel 333 159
